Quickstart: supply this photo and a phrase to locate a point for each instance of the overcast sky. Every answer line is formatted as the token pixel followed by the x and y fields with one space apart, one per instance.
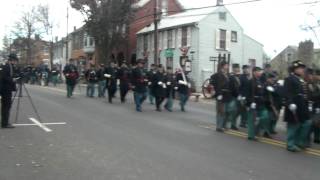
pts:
pixel 274 23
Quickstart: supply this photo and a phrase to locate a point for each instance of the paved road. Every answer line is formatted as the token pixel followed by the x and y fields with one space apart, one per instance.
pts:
pixel 102 141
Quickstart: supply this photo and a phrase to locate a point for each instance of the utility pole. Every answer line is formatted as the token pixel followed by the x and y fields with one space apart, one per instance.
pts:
pixel 155 18
pixel 67 37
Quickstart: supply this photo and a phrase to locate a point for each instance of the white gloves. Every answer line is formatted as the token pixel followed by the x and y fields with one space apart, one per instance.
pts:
pixel 189 85
pixel 164 86
pixel 310 108
pixel 182 82
pixel 253 106
pixel 243 98
pixel 317 110
pixel 219 98
pixel 168 83
pixel 239 98
pixel 270 89
pixel 175 88
pixel 160 83
pixel 292 107
pixel 149 83
pixel 146 80
pixel 107 75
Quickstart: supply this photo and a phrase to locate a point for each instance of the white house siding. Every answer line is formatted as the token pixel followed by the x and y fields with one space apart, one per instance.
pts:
pixel 207 42
pixel 253 50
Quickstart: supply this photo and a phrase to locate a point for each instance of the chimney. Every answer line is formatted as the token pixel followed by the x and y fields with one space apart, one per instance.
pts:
pixel 164 7
pixel 219 2
pixel 56 39
pixel 74 28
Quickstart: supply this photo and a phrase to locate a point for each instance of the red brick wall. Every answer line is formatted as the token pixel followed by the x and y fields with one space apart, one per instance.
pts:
pixel 143 17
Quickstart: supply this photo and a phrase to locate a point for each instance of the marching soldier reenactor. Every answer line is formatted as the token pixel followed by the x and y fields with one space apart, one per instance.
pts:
pixel 236 98
pixel 169 80
pixel 7 86
pixel 71 73
pixel 183 87
pixel 316 120
pixel 139 85
pixel 223 95
pixel 313 97
pixel 101 81
pixel 111 75
pixel 296 112
pixel 150 74
pixel 258 119
pixel 158 87
pixel 123 75
pixel 55 76
pixel 92 79
pixel 243 90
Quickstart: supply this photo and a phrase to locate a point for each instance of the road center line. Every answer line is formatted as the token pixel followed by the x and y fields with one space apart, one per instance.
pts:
pixel 55 123
pixel 42 126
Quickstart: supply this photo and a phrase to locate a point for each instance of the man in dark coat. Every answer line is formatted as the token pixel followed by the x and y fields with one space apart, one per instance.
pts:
pixel 92 79
pixel 111 75
pixel 150 74
pixel 235 92
pixel 183 86
pixel 243 90
pixel 7 86
pixel 71 73
pixel 170 83
pixel 158 87
pixel 54 75
pixel 139 85
pixel 296 112
pixel 220 82
pixel 124 77
pixel 258 116
pixel 101 81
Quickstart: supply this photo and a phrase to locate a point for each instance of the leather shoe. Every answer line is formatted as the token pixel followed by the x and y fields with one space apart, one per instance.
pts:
pixel 9 126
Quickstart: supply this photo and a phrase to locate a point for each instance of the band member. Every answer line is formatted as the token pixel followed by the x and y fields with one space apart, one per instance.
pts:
pixel 220 81
pixel 258 117
pixel 92 79
pixel 267 70
pixel 243 90
pixel 101 81
pixel 124 76
pixel 150 74
pixel 7 86
pixel 158 87
pixel 55 76
pixel 71 73
pixel 139 85
pixel 111 75
pixel 236 98
pixel 183 88
pixel 170 83
pixel 296 112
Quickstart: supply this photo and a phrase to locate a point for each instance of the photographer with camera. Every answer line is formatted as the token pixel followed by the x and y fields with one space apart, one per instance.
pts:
pixel 7 86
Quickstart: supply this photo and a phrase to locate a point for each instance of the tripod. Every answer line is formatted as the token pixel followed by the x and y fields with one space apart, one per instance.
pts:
pixel 18 94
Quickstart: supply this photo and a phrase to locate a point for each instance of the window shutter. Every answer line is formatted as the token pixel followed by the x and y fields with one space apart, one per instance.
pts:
pixel 152 41
pixel 189 37
pixel 160 41
pixel 218 39
pixel 173 38
pixel 179 38
pixel 165 40
pixel 228 40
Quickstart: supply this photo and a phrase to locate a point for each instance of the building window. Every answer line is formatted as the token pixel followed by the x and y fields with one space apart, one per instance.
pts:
pixel 91 41
pixel 234 36
pixel 223 16
pixel 170 62
pixel 223 37
pixel 289 57
pixel 170 38
pixel 184 39
pixel 145 42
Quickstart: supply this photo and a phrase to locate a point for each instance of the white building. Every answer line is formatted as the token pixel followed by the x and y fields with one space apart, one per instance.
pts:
pixel 206 33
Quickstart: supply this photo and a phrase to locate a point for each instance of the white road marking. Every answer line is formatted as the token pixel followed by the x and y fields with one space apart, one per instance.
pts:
pixel 55 123
pixel 42 126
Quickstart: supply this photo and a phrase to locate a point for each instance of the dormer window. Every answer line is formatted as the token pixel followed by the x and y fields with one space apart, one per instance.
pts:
pixel 223 16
